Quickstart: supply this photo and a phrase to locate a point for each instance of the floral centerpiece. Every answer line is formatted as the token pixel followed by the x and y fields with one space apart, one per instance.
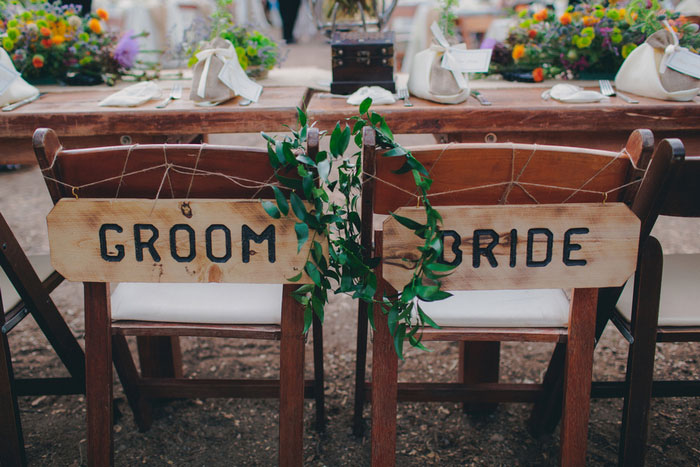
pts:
pixel 256 52
pixel 589 38
pixel 49 41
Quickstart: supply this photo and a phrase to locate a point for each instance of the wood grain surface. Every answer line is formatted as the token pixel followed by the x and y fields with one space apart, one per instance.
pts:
pixel 74 237
pixel 609 248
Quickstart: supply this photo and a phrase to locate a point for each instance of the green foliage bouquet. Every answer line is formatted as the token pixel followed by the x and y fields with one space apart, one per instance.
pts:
pixel 256 52
pixel 51 41
pixel 588 38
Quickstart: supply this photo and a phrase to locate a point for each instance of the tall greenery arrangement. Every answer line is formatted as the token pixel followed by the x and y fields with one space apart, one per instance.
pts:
pixel 340 267
pixel 448 18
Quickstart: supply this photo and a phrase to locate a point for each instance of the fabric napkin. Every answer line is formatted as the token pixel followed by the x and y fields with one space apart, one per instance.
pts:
pixel 573 94
pixel 13 88
pixel 133 95
pixel 378 94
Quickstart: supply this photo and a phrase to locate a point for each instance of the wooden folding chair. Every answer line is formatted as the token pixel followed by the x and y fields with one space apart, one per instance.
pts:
pixel 248 309
pixel 478 175
pixel 25 285
pixel 661 305
pixel 638 151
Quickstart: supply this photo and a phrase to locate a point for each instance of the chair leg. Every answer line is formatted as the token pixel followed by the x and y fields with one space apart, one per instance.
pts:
pixel 11 440
pixel 319 375
pixel 640 361
pixel 479 363
pixel 546 412
pixel 384 394
pixel 98 367
pixel 129 377
pixel 578 375
pixel 358 424
pixel 160 356
pixel 291 417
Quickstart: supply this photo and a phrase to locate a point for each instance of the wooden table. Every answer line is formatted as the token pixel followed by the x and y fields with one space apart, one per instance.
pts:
pixel 519 114
pixel 74 114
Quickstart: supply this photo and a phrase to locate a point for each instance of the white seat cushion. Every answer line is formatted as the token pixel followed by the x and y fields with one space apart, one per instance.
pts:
pixel 680 292
pixel 10 297
pixel 208 303
pixel 501 308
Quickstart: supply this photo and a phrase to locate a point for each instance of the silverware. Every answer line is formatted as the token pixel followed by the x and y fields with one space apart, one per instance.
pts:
pixel 606 88
pixel 175 93
pixel 9 107
pixel 403 94
pixel 477 95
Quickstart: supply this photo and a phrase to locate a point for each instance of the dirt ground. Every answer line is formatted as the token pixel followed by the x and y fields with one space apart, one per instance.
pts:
pixel 244 432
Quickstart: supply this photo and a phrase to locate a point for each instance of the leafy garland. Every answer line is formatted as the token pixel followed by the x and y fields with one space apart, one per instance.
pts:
pixel 340 224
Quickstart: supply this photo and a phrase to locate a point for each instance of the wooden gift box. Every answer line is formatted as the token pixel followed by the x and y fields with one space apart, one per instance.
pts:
pixel 362 59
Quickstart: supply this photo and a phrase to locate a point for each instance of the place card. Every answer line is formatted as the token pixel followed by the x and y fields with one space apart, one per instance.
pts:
pixel 686 62
pixel 7 77
pixel 467 61
pixel 234 77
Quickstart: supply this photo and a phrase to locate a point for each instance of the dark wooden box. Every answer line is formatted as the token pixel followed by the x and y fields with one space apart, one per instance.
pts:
pixel 362 59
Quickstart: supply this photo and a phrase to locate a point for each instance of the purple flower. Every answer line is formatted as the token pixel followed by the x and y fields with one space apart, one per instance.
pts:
pixel 126 50
pixel 488 43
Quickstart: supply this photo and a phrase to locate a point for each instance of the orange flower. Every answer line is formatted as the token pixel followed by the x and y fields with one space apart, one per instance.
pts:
pixel 38 61
pixel 590 20
pixel 541 15
pixel 46 43
pixel 518 51
pixel 532 33
pixel 95 26
pixel 565 18
pixel 538 74
pixel 102 13
pixel 58 40
pixel 45 32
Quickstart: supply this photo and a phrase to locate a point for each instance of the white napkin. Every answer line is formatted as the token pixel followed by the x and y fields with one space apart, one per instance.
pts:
pixel 133 95
pixel 573 94
pixel 378 94
pixel 13 88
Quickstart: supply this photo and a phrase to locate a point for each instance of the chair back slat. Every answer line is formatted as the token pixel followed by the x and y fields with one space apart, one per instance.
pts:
pixel 683 198
pixel 480 174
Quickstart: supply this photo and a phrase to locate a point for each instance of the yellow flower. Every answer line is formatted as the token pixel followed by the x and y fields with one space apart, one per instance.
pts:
pixel 58 40
pixel 102 13
pixel 518 51
pixel 95 26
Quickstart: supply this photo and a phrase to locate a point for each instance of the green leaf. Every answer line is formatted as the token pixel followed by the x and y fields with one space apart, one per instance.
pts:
pixel 271 209
pixel 302 231
pixel 281 201
pixel 399 339
pixel 295 278
pixel 344 140
pixel 426 319
pixel 279 152
pixel 365 105
pixel 335 140
pixel 324 169
pixel 439 267
pixel 307 184
pixel 301 116
pixel 406 222
pixel 313 273
pixel 308 318
pixel 293 183
pixel 306 160
pixel 287 153
pixel 298 207
pixel 397 151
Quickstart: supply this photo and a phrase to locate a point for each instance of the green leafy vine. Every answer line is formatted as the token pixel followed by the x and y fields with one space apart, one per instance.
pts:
pixel 344 261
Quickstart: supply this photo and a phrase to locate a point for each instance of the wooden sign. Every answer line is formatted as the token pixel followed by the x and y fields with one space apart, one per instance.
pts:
pixel 522 247
pixel 170 240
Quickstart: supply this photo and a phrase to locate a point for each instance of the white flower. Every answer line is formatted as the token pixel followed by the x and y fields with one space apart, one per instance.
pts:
pixel 75 22
pixel 33 28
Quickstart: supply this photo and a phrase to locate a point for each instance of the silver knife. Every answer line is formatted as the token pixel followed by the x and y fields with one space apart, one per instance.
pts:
pixel 9 107
pixel 477 95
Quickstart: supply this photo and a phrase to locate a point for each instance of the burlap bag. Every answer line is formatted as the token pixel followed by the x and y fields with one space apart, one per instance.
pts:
pixel 429 80
pixel 206 85
pixel 643 71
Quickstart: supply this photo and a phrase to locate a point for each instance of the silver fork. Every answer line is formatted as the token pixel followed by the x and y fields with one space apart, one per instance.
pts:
pixel 175 93
pixel 607 89
pixel 403 95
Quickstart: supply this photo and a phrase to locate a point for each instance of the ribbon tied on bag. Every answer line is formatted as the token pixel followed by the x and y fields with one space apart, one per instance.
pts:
pixel 223 53
pixel 444 47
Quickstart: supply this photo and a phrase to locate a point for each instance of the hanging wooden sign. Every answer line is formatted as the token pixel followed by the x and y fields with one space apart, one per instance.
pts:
pixel 521 247
pixel 170 240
